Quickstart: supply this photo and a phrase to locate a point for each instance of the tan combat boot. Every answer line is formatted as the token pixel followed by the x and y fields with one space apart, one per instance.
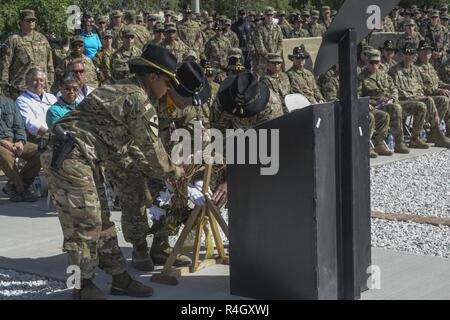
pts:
pixel 372 153
pixel 88 291
pixel 382 149
pixel 400 147
pixel 161 250
pixel 418 144
pixel 439 139
pixel 124 285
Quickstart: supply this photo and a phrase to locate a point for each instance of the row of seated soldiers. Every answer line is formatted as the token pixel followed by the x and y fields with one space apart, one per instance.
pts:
pixel 408 86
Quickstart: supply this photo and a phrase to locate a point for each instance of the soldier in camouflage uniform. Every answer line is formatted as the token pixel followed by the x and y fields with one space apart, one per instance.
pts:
pixel 435 33
pixel 407 17
pixel 230 35
pixel 302 80
pixel 326 19
pixel 387 25
pixel 115 25
pixel 410 35
pixel 158 34
pixel 329 84
pixel 268 39
pixel 210 74
pixel 410 87
pixel 275 79
pixel 396 18
pixel 101 23
pixel 190 32
pixel 152 21
pixel 110 118
pixel 119 59
pixel 216 49
pixel 316 29
pixel 286 28
pixel 209 31
pixel 432 85
pixel 388 52
pixel 76 52
pixel 102 59
pixel 24 50
pixel 379 86
pixel 172 43
pixel 298 31
pixel 142 35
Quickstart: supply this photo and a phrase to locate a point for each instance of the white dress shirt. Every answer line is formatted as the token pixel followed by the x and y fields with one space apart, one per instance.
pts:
pixel 33 109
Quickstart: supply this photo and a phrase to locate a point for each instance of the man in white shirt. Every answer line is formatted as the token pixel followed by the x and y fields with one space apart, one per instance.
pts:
pixel 34 102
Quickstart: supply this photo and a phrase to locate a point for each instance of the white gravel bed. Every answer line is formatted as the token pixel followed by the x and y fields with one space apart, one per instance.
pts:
pixel 411 237
pixel 16 285
pixel 419 186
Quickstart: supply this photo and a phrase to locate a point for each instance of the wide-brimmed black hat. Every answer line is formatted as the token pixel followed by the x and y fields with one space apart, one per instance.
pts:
pixel 157 57
pixel 193 88
pixel 243 95
pixel 409 47
pixel 388 45
pixel 424 45
pixel 299 52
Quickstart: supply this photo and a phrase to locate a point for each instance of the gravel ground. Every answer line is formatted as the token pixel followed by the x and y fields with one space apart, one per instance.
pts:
pixel 16 285
pixel 419 186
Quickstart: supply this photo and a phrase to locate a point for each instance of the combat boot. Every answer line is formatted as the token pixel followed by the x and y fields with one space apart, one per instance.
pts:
pixel 140 258
pixel 418 144
pixel 88 291
pixel 400 147
pixel 124 285
pixel 439 139
pixel 382 150
pixel 372 154
pixel 161 250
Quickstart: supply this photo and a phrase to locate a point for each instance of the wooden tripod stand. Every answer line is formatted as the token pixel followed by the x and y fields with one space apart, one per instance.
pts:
pixel 200 216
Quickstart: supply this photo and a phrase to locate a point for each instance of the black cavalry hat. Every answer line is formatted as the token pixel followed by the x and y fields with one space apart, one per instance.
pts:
pixel 193 88
pixel 388 45
pixel 424 45
pixel 299 52
pixel 155 56
pixel 409 47
pixel 243 95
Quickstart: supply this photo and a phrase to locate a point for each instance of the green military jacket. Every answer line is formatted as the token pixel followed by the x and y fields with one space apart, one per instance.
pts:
pixel 177 48
pixel 102 62
pixel 119 61
pixel 279 83
pixel 430 79
pixel 329 85
pixel 191 34
pixel 216 51
pixel 268 39
pixel 303 82
pixel 376 85
pixel 407 81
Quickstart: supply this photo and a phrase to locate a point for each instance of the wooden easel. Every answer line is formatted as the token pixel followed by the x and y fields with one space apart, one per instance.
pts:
pixel 199 217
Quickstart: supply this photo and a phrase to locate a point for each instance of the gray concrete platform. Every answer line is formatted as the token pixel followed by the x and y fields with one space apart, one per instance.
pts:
pixel 382 160
pixel 30 241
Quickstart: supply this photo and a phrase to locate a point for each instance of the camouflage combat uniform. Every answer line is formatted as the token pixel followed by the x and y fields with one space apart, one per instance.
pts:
pixel 216 51
pixel 415 37
pixel 19 53
pixel 299 33
pixel 89 69
pixel 410 88
pixel 108 120
pixel 329 85
pixel 177 48
pixel 378 85
pixel 232 37
pixel 437 35
pixel 208 34
pixel 280 84
pixel 286 28
pixel 102 62
pixel 267 39
pixel 119 61
pixel 386 66
pixel 316 30
pixel 142 35
pixel 191 34
pixel 303 82
pixel 388 25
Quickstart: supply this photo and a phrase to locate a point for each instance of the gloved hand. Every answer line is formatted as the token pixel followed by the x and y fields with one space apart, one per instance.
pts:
pixel 195 194
pixel 156 212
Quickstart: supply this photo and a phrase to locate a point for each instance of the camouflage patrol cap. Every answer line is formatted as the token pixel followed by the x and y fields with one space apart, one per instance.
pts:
pixel 269 11
pixel 252 13
pixel 127 31
pixel 326 8
pixel 115 14
pixel 281 13
pixel 234 52
pixel 170 27
pixel 410 23
pixel 130 14
pixel 102 19
pixel 227 22
pixel 27 15
pixel 366 49
pixel 139 17
pixel 77 39
pixel 159 27
pixel 443 7
pixel 435 14
pixel 274 58
pixel 168 13
pixel 209 20
pixel 186 9
pixel 152 17
pixel 444 17
pixel 306 13
pixel 107 33
pixel 417 11
pixel 315 14
pixel 374 55
pixel 190 53
pixel 333 13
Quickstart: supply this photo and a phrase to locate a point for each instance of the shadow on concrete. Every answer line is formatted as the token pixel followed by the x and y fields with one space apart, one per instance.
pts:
pixel 26 209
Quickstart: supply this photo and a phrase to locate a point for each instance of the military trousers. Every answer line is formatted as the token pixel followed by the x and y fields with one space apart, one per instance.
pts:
pixel 378 125
pixel 418 110
pixel 90 238
pixel 24 178
pixel 437 108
